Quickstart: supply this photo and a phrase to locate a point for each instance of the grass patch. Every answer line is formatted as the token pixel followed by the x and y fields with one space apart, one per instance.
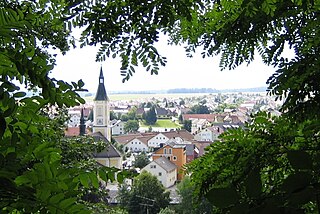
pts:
pixel 164 123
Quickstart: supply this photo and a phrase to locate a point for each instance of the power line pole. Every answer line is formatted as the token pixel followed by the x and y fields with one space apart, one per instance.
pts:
pixel 146 204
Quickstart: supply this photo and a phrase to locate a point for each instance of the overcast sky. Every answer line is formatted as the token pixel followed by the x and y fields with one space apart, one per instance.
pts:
pixel 180 72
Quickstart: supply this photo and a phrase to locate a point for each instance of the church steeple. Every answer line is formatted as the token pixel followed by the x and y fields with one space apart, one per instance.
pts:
pixel 82 124
pixel 101 110
pixel 101 92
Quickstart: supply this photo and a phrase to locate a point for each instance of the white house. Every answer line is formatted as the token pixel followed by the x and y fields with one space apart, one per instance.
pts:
pixel 138 144
pixel 117 127
pixel 164 170
pixel 74 120
pixel 208 134
pixel 198 125
pixel 157 140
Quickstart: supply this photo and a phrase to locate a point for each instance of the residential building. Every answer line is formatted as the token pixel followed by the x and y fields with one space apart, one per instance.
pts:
pixel 209 134
pixel 117 127
pixel 161 138
pixel 138 144
pixel 176 153
pixel 198 124
pixel 164 170
pixel 74 118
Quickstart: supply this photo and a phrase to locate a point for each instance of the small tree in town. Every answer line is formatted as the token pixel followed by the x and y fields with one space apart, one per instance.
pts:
pixel 187 124
pixel 141 160
pixel 151 116
pixel 146 195
pixel 131 126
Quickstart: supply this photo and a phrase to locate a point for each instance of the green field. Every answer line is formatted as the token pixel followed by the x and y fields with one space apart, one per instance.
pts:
pixel 164 123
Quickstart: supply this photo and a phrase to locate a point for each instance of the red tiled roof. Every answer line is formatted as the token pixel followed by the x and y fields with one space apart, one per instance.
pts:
pixel 73 131
pixel 209 117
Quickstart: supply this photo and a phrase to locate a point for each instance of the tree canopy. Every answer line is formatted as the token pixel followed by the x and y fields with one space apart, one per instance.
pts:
pixel 33 177
pixel 150 116
pixel 131 126
pixel 260 168
pixel 146 193
pixel 141 160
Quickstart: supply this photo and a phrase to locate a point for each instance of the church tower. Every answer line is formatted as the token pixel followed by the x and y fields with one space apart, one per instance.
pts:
pixel 101 110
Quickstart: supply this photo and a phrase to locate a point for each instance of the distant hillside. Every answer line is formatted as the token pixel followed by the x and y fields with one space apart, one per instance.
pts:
pixel 210 90
pixel 257 89
pixel 182 91
pixel 191 90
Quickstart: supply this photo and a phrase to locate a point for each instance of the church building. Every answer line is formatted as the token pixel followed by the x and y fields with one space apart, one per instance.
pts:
pixel 101 110
pixel 110 156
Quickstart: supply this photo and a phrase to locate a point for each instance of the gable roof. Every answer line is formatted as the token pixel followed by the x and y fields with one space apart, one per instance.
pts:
pixel 124 139
pixel 183 134
pixel 165 164
pixel 209 117
pixel 109 152
pixel 161 111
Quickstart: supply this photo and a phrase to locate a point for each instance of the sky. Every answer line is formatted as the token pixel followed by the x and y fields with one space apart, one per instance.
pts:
pixel 179 72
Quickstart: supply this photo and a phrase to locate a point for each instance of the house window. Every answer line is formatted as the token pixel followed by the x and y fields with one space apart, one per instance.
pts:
pixel 160 173
pixel 152 166
pixel 170 151
pixel 174 158
pixel 169 158
pixel 164 151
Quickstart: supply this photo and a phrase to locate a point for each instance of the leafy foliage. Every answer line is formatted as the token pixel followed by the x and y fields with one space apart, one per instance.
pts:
pixel 272 165
pixel 187 125
pixel 127 29
pixel 239 29
pixel 36 174
pixel 150 116
pixel 146 193
pixel 199 109
pixel 131 126
pixel 188 201
pixel 141 160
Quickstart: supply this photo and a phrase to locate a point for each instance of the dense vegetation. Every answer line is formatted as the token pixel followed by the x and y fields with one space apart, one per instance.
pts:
pixel 147 195
pixel 267 155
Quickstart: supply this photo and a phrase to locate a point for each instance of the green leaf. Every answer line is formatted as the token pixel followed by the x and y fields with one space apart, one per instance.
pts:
pixel 23 179
pixel 43 193
pixel 94 180
pixel 103 175
pixel 56 198
pixel 222 197
pixel 67 202
pixel 299 159
pixel 19 94
pixel 84 180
